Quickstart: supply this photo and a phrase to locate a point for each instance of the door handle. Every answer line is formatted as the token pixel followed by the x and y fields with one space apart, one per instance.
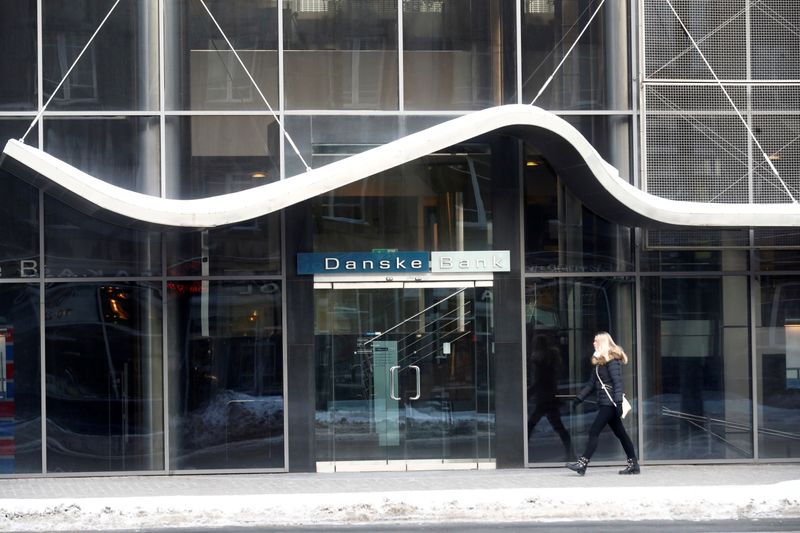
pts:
pixel 419 390
pixel 392 381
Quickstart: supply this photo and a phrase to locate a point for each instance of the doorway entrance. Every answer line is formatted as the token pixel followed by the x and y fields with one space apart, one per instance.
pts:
pixel 403 373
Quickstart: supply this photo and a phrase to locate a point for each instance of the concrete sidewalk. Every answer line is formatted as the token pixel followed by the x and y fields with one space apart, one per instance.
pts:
pixel 704 492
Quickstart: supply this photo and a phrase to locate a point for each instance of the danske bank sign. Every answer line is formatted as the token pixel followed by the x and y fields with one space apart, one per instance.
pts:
pixel 403 262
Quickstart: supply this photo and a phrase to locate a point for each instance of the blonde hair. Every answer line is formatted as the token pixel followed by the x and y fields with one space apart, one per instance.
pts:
pixel 608 350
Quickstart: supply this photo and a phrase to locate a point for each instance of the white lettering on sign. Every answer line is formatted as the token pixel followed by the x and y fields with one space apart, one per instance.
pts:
pixel 483 261
pixel 28 268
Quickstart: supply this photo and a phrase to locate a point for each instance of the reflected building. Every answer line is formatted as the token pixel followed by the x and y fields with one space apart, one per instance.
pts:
pixel 141 349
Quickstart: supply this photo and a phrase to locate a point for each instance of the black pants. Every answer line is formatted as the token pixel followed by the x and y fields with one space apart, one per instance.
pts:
pixel 607 416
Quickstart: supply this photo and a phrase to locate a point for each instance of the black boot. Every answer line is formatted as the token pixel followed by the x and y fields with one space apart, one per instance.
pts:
pixel 632 468
pixel 579 466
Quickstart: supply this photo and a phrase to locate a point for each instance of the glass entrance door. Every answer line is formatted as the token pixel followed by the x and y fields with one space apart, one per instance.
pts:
pixel 403 374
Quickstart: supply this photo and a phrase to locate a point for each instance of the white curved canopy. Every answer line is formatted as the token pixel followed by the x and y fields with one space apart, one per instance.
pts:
pixel 592 179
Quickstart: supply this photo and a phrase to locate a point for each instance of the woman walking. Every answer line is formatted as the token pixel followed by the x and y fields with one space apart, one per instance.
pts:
pixel 606 380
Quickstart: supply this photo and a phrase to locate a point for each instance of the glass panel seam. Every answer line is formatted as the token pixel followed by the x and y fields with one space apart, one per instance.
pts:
pixel 401 92
pixel 42 344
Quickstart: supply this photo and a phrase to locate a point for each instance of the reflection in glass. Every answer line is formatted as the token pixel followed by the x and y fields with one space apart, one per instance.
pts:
pixel 77 245
pixel 696 367
pixel 595 74
pixel 203 73
pixel 248 248
pixel 19 89
pixel 213 155
pixel 778 366
pixel 122 151
pixel 562 317
pixel 440 202
pixel 561 234
pixel 340 54
pixel 104 377
pixel 322 139
pixel 453 53
pixel 20 388
pixel 226 375
pixel 19 231
pixel 610 136
pixel 119 70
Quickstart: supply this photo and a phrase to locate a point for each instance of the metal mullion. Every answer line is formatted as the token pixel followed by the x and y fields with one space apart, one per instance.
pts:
pixel 638 314
pixel 726 82
pixel 518 63
pixel 281 95
pixel 401 91
pixel 163 182
pixel 282 233
pixel 40 134
pixel 754 389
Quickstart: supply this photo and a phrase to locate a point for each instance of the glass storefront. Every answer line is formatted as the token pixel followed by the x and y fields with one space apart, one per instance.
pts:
pixel 562 316
pixel 203 349
pixel 777 300
pixel 403 376
pixel 225 374
pixel 697 395
pixel 104 377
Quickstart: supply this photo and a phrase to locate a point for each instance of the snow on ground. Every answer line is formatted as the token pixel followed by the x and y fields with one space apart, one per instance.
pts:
pixel 778 500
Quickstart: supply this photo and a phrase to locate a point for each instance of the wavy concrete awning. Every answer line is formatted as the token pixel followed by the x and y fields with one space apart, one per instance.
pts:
pixel 580 167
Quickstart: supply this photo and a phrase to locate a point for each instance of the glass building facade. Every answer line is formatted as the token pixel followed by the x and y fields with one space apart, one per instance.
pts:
pixel 140 349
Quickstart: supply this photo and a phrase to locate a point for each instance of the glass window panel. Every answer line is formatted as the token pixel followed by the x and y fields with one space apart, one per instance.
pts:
pixel 440 202
pixel 696 367
pixel 562 235
pixel 118 71
pixel 610 135
pixel 213 155
pixel 596 74
pixel 245 249
pixel 458 54
pixel 340 54
pixel 20 389
pixel 18 61
pixel 322 139
pixel 19 211
pixel 78 245
pixel 123 151
pixel 226 378
pixel 201 70
pixel 104 377
pixel 562 317
pixel 778 366
pixel 777 260
pixel 669 260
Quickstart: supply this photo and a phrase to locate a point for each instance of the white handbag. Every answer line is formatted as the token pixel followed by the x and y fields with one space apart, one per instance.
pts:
pixel 626 405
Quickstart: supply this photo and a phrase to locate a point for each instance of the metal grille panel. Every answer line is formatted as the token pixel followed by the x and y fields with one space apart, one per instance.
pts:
pixel 779 136
pixel 775 39
pixel 707 239
pixel 695 147
pixel 718 26
pixel 697 158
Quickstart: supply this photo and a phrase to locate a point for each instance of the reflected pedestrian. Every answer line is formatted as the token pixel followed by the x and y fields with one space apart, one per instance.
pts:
pixel 544 368
pixel 607 361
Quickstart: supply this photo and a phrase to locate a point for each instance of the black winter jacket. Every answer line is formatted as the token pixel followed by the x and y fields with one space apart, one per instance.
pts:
pixel 611 374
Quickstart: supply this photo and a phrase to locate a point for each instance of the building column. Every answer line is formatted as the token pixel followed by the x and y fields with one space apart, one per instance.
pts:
pixel 300 383
pixel 509 377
